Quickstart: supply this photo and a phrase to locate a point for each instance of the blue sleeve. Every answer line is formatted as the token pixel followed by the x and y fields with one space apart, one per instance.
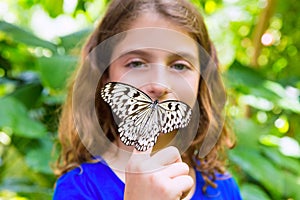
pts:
pixel 89 182
pixel 229 189
pixel 75 186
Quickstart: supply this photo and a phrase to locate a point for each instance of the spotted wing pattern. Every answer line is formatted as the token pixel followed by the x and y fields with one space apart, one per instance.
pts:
pixel 141 118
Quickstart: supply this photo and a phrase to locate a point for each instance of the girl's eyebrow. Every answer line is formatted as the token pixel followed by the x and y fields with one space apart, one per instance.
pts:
pixel 182 54
pixel 136 52
pixel 186 56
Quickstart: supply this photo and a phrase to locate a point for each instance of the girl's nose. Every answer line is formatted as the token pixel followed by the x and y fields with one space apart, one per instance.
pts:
pixel 156 91
pixel 158 85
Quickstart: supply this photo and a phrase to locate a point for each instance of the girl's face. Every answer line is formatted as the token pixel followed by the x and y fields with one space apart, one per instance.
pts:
pixel 159 58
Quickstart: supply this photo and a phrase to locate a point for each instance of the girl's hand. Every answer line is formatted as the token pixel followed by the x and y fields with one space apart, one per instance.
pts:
pixel 161 176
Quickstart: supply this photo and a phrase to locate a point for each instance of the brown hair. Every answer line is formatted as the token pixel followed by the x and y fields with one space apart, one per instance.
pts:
pixel 117 19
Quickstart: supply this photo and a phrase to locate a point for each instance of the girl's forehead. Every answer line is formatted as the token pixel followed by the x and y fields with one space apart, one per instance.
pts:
pixel 168 40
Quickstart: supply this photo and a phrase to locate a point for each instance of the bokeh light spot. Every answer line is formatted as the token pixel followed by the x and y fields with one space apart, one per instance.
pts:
pixel 282 124
pixel 210 6
pixel 261 117
pixel 267 39
pixel 4 138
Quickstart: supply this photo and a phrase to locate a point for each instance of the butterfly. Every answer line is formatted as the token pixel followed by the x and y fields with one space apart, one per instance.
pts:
pixel 142 119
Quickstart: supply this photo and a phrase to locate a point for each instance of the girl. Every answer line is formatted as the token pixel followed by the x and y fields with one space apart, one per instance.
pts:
pixel 162 48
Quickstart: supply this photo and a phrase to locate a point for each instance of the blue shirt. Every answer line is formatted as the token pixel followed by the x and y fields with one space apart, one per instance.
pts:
pixel 98 181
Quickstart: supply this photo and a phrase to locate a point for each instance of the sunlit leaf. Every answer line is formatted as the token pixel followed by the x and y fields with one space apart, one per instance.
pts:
pixel 14 114
pixel 248 81
pixel 248 133
pixel 287 163
pixel 75 39
pixel 56 70
pixel 28 94
pixel 25 37
pixel 290 104
pixel 260 169
pixel 39 158
pixel 291 185
pixel 18 189
pixel 53 7
pixel 253 192
pixel 269 140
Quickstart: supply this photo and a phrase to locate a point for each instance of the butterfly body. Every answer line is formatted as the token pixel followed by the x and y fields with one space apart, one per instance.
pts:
pixel 142 119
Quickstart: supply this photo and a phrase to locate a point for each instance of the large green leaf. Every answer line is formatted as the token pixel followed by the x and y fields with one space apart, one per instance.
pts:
pixel 14 169
pixel 25 37
pixel 291 185
pixel 14 114
pixel 19 179
pixel 53 7
pixel 260 169
pixel 287 163
pixel 75 39
pixel 39 158
pixel 248 132
pixel 28 94
pixel 253 192
pixel 56 70
pixel 248 81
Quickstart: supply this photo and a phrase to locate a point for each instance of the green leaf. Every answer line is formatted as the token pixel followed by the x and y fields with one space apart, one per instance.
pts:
pixel 291 164
pixel 53 7
pixel 28 94
pixel 73 40
pixel 25 37
pixel 56 70
pixel 20 189
pixel 253 192
pixel 15 171
pixel 290 104
pixel 291 185
pixel 39 158
pixel 13 114
pixel 248 81
pixel 248 132
pixel 260 169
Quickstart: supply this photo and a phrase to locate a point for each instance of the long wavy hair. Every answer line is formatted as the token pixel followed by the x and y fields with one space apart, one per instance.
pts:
pixel 118 18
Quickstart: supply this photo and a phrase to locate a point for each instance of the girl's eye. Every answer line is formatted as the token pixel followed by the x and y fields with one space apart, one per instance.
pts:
pixel 136 64
pixel 179 67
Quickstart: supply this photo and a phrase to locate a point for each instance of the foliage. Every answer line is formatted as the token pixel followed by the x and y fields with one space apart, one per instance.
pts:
pixel 262 81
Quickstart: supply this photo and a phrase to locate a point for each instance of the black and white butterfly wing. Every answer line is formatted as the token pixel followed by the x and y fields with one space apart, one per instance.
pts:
pixel 140 130
pixel 139 124
pixel 174 115
pixel 124 99
pixel 142 119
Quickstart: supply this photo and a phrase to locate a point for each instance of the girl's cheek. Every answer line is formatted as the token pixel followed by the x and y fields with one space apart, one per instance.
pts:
pixel 117 72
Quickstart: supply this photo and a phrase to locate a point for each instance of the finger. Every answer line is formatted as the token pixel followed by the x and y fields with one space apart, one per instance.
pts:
pixel 175 169
pixel 140 156
pixel 182 184
pixel 166 156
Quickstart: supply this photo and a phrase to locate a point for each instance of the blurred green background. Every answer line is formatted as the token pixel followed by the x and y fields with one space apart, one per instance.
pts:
pixel 258 42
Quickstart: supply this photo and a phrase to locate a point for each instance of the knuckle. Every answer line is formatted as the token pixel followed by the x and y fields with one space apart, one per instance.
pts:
pixel 133 167
pixel 185 167
pixel 174 150
pixel 164 191
pixel 153 179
